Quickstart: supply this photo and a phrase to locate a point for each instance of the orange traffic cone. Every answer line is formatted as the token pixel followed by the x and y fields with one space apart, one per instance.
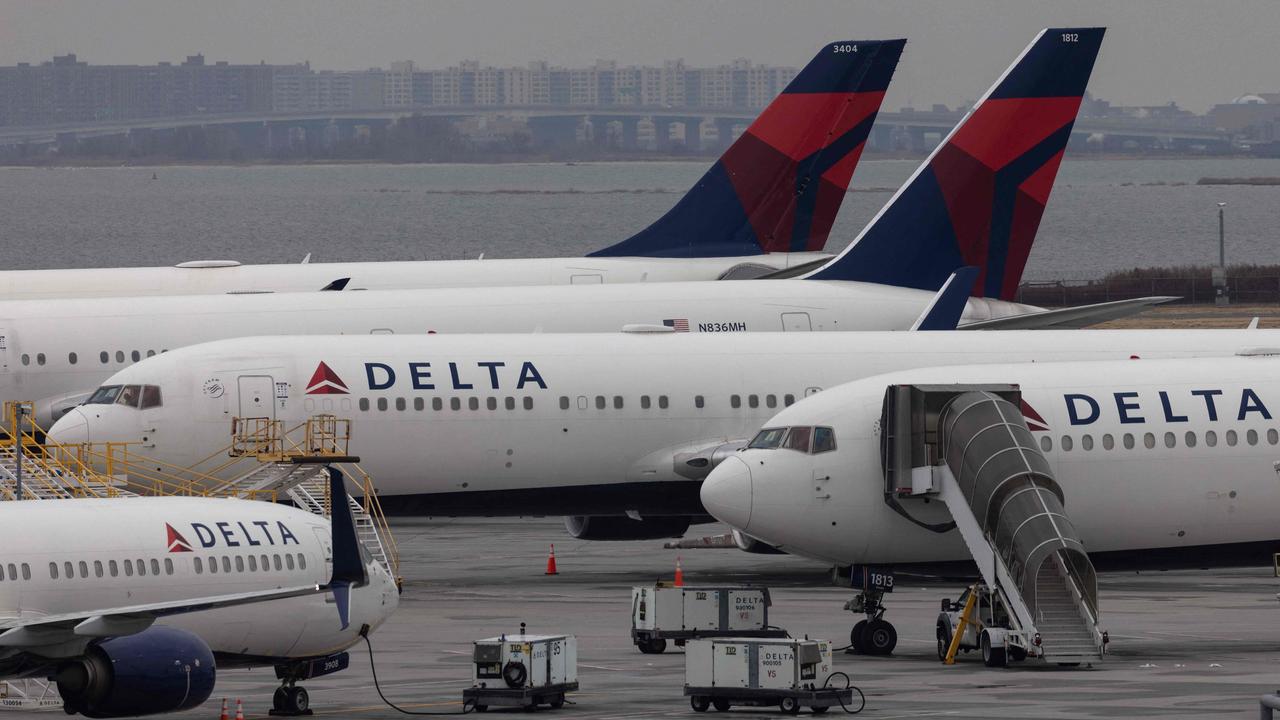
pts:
pixel 679 573
pixel 239 710
pixel 224 715
pixel 551 561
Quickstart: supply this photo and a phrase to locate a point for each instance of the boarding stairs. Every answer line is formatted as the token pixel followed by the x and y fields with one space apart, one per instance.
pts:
pixel 970 447
pixel 45 480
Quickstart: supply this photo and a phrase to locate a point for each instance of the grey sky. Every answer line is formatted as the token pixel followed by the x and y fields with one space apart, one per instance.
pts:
pixel 1198 53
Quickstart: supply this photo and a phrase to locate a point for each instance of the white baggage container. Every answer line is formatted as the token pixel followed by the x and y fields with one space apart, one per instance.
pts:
pixel 787 672
pixel 523 670
pixel 660 613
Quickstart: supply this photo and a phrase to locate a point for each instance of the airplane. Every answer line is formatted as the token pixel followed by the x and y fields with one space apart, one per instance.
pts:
pixel 767 204
pixel 133 605
pixel 1158 463
pixel 55 352
pixel 614 431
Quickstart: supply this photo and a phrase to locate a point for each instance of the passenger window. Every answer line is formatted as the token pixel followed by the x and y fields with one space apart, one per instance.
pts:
pixel 1149 440
pixel 213 565
pixel 698 401
pixel 13 571
pixel 364 404
pixel 26 359
pixel 288 561
pixel 1210 438
pixel 1252 437
pixel 69 570
pixel 798 439
pixel 382 404
pixel 771 401
pixel 275 560
pixel 455 403
pixel 239 563
pixel 400 404
pixel 1231 438
pixel 491 403
pixel 128 568
pixel 119 356
pixel 104 357
pixel 1128 441
pixel 1086 442
pixel 528 403
pixel 662 402
pixel 141 566
pixel 1170 440
pixel 600 403
pixel 226 564
pixel 151 353
pixel 113 568
pixel 302 561
pixel 168 566
pixel 1108 442
pixel 419 404
pixel 617 402
pixel 84 569
pixel 104 395
pixel 644 402
pixel 788 400
pixel 39 358
pixel 26 571
pixel 71 358
pixel 53 570
pixel 510 403
pixel 266 563
pixel 824 440
pixel 2 573
pixel 1066 443
pixel 1273 436
pixel 1046 443
pixel 253 563
pixel 199 565
pixel 473 403
pixel 437 404
pixel 564 402
pixel 768 438
pixel 150 396
pixel 753 401
pixel 1190 439
pixel 735 401
pixel 135 355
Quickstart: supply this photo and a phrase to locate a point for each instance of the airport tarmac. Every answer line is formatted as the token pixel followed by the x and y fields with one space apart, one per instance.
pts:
pixel 1184 644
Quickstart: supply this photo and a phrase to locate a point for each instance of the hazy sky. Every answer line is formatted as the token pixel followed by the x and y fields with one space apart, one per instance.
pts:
pixel 1198 53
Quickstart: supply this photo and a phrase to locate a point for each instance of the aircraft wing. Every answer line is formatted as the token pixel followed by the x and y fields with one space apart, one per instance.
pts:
pixel 1071 317
pixel 126 620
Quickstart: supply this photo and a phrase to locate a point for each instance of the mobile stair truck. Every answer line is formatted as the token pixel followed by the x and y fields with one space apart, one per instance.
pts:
pixel 681 613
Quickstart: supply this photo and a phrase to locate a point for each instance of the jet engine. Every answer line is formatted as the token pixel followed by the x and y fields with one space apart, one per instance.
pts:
pixel 748 544
pixel 621 527
pixel 158 670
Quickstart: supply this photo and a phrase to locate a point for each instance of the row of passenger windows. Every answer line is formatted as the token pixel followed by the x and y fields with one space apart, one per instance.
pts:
pixel 13 571
pixel 155 567
pixel 1189 439
pixel 104 357
pixel 583 402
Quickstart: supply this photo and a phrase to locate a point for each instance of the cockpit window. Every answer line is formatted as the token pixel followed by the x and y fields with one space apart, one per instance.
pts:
pixel 768 438
pixel 130 395
pixel 824 440
pixel 798 439
pixel 104 395
pixel 150 396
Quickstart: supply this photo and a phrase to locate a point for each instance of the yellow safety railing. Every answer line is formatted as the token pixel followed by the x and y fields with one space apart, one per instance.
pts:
pixel 373 507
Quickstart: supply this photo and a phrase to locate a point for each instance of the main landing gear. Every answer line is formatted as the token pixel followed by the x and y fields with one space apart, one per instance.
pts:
pixel 290 700
pixel 874 635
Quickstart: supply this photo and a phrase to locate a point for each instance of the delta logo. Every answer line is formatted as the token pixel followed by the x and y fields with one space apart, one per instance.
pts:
pixel 1035 421
pixel 176 542
pixel 324 381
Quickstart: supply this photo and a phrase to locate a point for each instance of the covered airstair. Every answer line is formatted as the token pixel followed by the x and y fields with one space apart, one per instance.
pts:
pixel 970 447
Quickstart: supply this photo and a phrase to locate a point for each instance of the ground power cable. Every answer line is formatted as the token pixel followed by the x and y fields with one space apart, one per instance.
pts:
pixel 468 705
pixel 848 685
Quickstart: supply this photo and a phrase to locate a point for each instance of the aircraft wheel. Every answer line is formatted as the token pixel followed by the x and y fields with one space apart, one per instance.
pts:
pixel 855 637
pixel 298 700
pixel 879 638
pixel 280 699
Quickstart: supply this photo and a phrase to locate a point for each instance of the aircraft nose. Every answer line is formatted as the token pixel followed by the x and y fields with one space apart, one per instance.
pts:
pixel 726 493
pixel 70 429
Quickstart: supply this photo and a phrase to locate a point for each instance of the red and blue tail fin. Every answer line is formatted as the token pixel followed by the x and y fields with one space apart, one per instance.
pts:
pixel 978 199
pixel 779 186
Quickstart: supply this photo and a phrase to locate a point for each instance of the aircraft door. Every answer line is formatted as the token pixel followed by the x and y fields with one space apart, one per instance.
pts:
pixel 4 349
pixel 257 396
pixel 796 322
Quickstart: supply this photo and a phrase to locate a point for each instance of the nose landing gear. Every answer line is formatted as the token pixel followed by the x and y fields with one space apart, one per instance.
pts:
pixel 874 635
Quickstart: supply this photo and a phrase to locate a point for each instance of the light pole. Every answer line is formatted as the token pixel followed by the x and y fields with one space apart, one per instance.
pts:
pixel 1220 273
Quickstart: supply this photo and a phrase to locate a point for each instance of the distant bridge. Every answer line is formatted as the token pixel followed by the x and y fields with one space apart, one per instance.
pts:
pixel 907 129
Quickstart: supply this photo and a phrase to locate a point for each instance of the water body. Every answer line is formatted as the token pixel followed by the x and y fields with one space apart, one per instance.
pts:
pixel 1103 215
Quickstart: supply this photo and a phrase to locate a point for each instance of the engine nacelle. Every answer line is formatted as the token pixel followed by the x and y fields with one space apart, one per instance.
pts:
pixel 748 544
pixel 620 527
pixel 698 464
pixel 158 670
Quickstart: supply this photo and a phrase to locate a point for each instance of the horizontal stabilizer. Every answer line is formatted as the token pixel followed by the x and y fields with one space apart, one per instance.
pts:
pixel 1072 317
pixel 778 186
pixel 948 305
pixel 977 200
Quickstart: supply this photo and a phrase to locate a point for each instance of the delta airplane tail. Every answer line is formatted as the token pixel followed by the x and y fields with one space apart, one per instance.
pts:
pixel 977 200
pixel 779 186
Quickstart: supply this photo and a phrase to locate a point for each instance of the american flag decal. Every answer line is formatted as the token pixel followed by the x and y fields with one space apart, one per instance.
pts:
pixel 677 324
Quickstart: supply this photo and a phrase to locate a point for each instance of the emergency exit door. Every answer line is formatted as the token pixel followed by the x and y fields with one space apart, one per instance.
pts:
pixel 796 322
pixel 4 349
pixel 256 398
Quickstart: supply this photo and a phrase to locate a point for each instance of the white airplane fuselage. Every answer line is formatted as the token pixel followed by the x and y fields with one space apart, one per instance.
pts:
pixel 55 351
pixel 552 424
pixel 1172 455
pixel 67 556
pixel 230 277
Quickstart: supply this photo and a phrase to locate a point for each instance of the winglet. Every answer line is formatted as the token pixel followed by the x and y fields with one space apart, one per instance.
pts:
pixel 978 198
pixel 948 305
pixel 339 284
pixel 348 567
pixel 779 186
